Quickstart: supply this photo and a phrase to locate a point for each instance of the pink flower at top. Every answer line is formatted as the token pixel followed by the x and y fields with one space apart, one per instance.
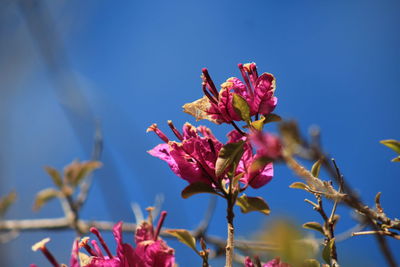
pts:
pixel 273 263
pixel 258 91
pixel 194 158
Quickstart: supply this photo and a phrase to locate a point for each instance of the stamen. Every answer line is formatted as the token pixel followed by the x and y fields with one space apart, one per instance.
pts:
pixel 254 69
pixel 154 128
pixel 210 82
pixel 103 244
pixel 176 132
pixel 210 142
pixel 150 218
pixel 210 97
pixel 245 78
pixel 97 248
pixel 84 244
pixel 159 225
pixel 41 245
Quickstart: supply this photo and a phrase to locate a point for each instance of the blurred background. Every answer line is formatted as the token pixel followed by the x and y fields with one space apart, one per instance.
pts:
pixel 67 66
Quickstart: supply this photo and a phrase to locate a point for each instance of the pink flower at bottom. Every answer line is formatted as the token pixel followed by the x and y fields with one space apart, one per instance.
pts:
pixel 273 263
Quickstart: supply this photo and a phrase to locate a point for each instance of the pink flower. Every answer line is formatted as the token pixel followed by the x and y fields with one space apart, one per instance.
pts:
pixel 194 157
pixel 268 145
pixel 150 250
pixel 257 173
pixel 273 263
pixel 258 91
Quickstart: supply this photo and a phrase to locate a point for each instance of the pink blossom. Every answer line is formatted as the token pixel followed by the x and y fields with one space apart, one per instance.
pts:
pixel 257 173
pixel 258 91
pixel 268 145
pixel 194 157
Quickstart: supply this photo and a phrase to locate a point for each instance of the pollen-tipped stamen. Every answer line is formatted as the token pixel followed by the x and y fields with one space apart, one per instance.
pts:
pixel 159 225
pixel 41 245
pixel 84 244
pixel 245 78
pixel 154 128
pixel 210 82
pixel 102 242
pixel 175 131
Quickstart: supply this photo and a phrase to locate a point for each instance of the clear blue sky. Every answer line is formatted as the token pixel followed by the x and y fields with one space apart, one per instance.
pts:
pixel 337 65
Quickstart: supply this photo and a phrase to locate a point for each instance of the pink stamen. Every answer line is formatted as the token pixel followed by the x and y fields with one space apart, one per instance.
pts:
pixel 97 249
pixel 89 250
pixel 245 78
pixel 49 256
pixel 209 96
pixel 210 82
pixel 175 131
pixel 160 223
pixel 158 132
pixel 103 244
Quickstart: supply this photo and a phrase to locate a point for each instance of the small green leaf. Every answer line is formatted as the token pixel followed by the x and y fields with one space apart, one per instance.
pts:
pixel 55 176
pixel 326 253
pixel 44 196
pixel 316 168
pixel 6 202
pixel 272 118
pixel 396 159
pixel 259 124
pixel 185 237
pixel 298 185
pixel 241 107
pixel 248 204
pixel 77 171
pixel 311 263
pixel 392 144
pixel 197 188
pixel 228 155
pixel 314 226
pixel 236 179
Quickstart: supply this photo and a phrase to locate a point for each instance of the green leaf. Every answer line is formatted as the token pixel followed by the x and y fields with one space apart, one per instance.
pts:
pixel 185 237
pixel 311 263
pixel 314 226
pixel 396 159
pixel 326 253
pixel 248 204
pixel 241 107
pixel 272 118
pixel 197 188
pixel 258 124
pixel 316 168
pixel 298 185
pixel 392 144
pixel 6 202
pixel 228 155
pixel 45 196
pixel 236 179
pixel 77 171
pixel 55 176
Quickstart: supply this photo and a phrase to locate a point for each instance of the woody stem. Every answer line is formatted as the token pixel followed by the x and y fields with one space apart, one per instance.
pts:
pixel 230 241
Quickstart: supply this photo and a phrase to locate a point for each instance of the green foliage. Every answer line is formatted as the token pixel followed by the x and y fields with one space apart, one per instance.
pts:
pixel 229 155
pixel 394 145
pixel 316 168
pixel 248 204
pixel 197 188
pixel 185 237
pixel 241 108
pixel 326 252
pixel 45 196
pixel 314 226
pixel 6 202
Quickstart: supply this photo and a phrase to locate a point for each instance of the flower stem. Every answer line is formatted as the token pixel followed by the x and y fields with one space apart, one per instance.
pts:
pixel 231 230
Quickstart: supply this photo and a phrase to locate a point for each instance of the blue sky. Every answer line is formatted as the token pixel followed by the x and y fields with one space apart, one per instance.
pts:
pixel 337 65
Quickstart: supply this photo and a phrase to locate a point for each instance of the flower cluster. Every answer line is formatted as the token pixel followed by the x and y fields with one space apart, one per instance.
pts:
pixel 257 91
pixel 150 249
pixel 194 157
pixel 273 263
